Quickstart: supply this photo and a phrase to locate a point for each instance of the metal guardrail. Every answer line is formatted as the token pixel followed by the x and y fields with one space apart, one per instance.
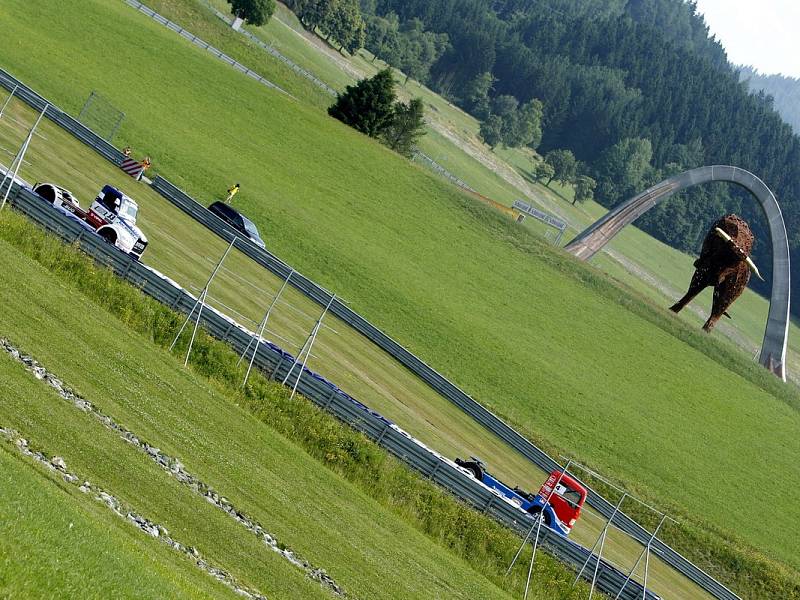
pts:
pixel 429 375
pixel 435 166
pixel 287 61
pixel 204 45
pixel 273 360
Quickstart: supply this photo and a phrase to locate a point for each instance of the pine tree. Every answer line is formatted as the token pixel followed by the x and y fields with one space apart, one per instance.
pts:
pixel 407 126
pixel 369 105
pixel 255 12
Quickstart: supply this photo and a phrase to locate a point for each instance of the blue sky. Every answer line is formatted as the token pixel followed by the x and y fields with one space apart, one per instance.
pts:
pixel 762 33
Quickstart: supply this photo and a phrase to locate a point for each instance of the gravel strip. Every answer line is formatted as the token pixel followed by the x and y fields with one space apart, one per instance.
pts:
pixel 175 468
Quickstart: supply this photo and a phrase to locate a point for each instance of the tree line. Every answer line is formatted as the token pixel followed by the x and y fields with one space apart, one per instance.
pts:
pixel 636 90
pixel 785 93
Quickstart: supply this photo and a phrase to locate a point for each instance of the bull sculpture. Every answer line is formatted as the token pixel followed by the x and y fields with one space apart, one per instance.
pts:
pixel 724 263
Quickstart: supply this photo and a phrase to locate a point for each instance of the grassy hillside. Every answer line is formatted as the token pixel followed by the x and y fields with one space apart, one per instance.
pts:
pixel 308 508
pixel 542 340
pixel 45 523
pixel 655 269
pixel 481 542
pixel 340 353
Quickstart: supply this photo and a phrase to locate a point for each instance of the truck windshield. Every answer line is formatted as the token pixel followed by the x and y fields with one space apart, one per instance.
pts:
pixel 573 497
pixel 128 211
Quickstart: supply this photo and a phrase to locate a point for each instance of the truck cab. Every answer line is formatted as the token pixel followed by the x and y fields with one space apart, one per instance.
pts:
pixel 558 502
pixel 113 215
pixel 566 496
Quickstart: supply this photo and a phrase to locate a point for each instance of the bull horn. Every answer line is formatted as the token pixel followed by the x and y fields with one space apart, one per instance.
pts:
pixel 747 259
pixel 753 267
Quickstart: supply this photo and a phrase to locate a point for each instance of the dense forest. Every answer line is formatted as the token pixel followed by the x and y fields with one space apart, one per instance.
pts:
pixel 635 89
pixel 785 92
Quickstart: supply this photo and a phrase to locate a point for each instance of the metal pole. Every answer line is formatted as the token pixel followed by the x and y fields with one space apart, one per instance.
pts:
pixel 261 329
pixel 646 549
pixel 201 297
pixel 85 107
pixel 597 565
pixel 203 303
pixel 19 158
pixel 8 100
pixel 646 569
pixel 549 495
pixel 310 345
pixel 305 359
pixel 602 537
pixel 116 127
pixel 516 556
pixel 533 554
pixel 299 354
pixel 266 317
pixel 308 339
pixel 196 325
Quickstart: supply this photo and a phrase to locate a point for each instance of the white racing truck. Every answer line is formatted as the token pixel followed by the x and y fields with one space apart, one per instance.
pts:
pixel 112 215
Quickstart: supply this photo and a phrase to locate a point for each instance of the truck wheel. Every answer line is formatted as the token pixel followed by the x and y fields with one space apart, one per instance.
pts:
pixel 109 236
pixel 46 191
pixel 473 467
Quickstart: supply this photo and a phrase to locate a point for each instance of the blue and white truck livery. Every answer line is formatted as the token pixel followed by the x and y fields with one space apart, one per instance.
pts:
pixel 559 500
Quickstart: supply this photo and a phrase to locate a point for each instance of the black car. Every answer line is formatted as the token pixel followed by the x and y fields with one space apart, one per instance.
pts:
pixel 238 221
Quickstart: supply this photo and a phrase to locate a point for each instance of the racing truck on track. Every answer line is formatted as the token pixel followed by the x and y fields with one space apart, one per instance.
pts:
pixel 112 215
pixel 558 502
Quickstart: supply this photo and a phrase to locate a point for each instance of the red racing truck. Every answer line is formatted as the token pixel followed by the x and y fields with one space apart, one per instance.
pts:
pixel 559 500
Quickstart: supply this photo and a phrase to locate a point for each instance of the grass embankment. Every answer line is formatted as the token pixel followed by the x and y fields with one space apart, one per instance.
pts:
pixel 206 423
pixel 457 295
pixel 57 543
pixel 644 257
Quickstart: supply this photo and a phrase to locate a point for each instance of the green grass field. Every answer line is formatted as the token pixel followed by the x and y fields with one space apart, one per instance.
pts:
pixel 340 354
pixel 309 509
pixel 594 378
pixel 264 407
pixel 56 542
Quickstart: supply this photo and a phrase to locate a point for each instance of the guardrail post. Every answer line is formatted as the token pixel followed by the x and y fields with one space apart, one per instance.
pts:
pixel 201 301
pixel 379 439
pixel 262 326
pixel 19 158
pixel 5 104
pixel 329 399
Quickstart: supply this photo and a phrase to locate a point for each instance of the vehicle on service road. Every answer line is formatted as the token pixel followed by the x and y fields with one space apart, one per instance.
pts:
pixel 238 221
pixel 559 500
pixel 112 215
